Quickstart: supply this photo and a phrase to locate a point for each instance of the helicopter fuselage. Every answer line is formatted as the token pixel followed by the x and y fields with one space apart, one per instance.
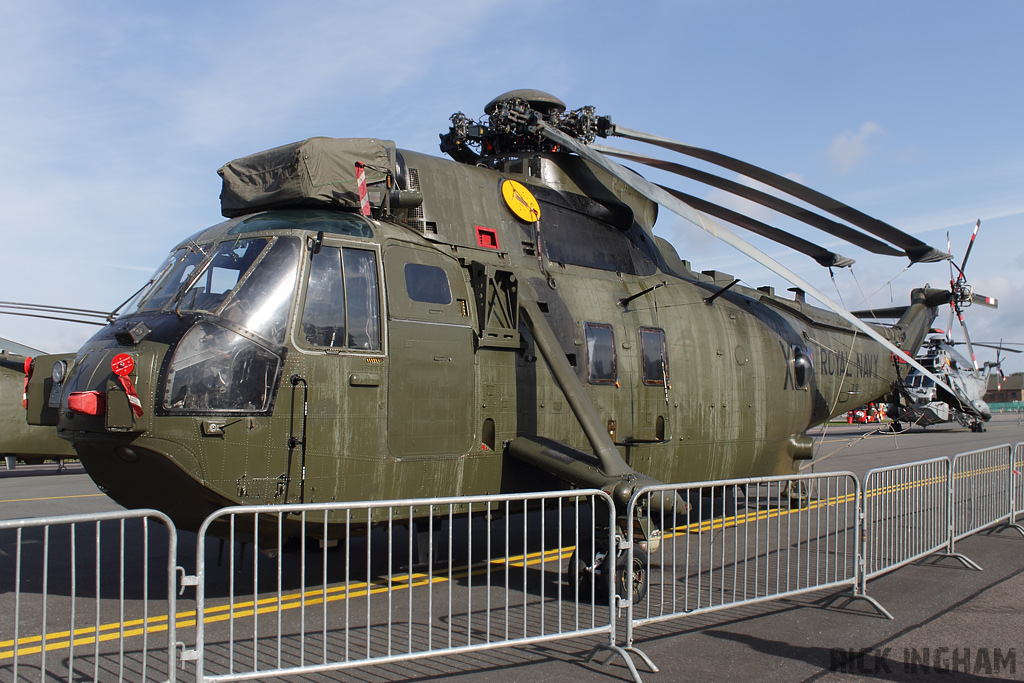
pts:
pixel 308 354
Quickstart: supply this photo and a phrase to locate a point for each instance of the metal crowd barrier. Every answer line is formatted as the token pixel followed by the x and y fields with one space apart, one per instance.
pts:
pixel 323 587
pixel 753 540
pixel 744 541
pixel 88 597
pixel 409 579
pixel 982 490
pixel 1017 476
pixel 906 514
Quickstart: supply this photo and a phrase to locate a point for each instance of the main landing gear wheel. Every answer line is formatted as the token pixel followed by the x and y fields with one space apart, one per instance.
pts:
pixel 631 581
pixel 596 577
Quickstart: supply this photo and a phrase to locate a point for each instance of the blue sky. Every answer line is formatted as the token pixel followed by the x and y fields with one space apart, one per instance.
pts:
pixel 115 117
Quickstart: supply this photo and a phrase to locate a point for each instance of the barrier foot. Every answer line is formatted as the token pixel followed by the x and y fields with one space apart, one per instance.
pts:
pixel 850 597
pixel 1008 525
pixel 624 653
pixel 964 560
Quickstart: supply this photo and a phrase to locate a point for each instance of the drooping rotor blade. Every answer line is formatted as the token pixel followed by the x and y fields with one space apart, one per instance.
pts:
pixel 843 232
pixel 60 313
pixel 820 254
pixel 656 194
pixel 915 249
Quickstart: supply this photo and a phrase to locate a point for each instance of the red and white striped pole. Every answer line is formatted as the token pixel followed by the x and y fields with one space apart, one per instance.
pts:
pixel 364 200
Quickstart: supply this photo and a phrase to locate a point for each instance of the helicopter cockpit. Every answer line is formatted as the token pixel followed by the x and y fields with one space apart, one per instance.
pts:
pixel 242 290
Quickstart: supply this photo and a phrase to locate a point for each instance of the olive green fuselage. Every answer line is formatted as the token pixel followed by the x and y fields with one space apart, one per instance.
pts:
pixel 422 397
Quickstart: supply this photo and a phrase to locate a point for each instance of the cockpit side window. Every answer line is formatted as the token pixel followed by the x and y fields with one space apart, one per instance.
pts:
pixel 652 341
pixel 342 308
pixel 602 367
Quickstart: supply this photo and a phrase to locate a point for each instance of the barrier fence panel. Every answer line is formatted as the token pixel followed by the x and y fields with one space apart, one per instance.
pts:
pixel 906 514
pixel 1017 477
pixel 981 490
pixel 322 587
pixel 743 541
pixel 88 597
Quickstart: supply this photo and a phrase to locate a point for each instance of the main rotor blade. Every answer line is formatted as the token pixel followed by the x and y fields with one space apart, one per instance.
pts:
pixel 1002 343
pixel 915 249
pixel 970 245
pixel 967 339
pixel 823 256
pixel 997 346
pixel 656 194
pixel 54 309
pixel 952 288
pixel 843 232
pixel 59 313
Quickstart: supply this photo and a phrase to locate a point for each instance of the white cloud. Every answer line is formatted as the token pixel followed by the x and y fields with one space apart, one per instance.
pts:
pixel 848 148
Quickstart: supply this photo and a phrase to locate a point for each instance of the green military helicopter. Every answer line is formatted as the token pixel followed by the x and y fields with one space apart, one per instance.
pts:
pixel 20 441
pixel 375 323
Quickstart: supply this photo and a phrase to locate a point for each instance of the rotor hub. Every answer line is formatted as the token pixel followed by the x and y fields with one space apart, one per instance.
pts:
pixel 511 126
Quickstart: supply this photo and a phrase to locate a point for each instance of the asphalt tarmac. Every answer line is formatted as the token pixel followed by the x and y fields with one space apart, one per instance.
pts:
pixel 950 622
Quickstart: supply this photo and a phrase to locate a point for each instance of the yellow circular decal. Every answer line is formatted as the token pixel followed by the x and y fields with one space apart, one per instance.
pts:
pixel 520 200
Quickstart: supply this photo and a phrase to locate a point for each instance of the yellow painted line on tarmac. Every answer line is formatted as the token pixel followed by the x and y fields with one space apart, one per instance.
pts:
pixel 718 523
pixel 63 640
pixel 26 500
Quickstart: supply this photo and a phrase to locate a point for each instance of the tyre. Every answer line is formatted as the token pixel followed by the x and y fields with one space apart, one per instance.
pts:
pixel 631 582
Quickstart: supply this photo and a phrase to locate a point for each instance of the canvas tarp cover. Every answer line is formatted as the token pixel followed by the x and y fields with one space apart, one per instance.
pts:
pixel 313 172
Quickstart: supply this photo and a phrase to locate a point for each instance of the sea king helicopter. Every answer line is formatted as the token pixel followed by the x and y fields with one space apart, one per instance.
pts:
pixel 376 323
pixel 19 440
pixel 920 402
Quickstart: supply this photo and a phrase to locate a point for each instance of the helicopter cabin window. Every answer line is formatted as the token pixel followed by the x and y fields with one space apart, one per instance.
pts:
pixel 652 342
pixel 601 361
pixel 341 310
pixel 428 284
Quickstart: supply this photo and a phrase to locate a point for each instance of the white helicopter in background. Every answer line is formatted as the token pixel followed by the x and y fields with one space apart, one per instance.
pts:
pixel 922 403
